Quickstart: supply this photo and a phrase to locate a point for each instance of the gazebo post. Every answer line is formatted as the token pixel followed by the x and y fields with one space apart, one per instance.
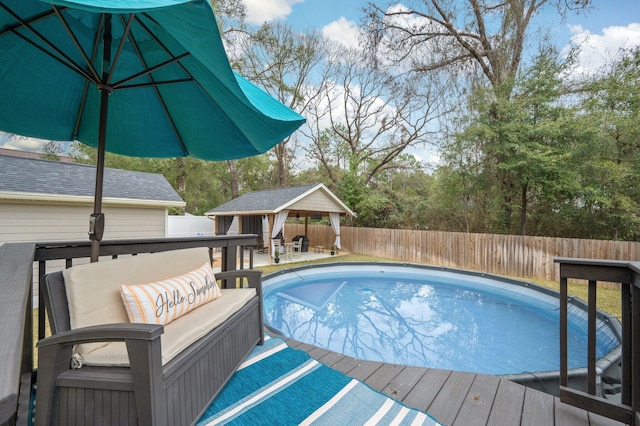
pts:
pixel 269 251
pixel 240 224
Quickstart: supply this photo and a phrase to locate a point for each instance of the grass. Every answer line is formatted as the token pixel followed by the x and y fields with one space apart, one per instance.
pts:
pixel 607 300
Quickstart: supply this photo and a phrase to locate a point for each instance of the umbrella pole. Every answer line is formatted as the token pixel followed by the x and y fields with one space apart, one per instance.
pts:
pixel 96 221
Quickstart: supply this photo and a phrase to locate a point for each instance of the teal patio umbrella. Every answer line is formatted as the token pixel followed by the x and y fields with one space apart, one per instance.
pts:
pixel 145 78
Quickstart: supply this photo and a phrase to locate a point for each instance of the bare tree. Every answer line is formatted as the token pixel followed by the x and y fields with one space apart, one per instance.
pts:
pixel 231 15
pixel 488 36
pixel 284 62
pixel 52 150
pixel 368 117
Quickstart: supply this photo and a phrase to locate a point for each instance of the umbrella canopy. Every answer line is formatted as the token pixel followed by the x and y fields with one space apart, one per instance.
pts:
pixel 146 78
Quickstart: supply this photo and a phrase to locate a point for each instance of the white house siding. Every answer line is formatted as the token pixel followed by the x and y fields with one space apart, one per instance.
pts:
pixel 50 222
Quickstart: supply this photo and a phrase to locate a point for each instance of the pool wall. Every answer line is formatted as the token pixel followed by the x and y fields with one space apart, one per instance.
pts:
pixel 607 367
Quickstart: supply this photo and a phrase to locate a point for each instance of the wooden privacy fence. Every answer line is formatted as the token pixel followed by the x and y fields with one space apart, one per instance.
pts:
pixel 514 255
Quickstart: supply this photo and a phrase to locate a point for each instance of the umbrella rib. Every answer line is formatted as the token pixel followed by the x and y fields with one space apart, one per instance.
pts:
pixel 155 87
pixel 77 43
pixel 125 34
pixel 36 18
pixel 72 65
pixel 156 83
pixel 85 89
pixel 150 70
pixel 195 81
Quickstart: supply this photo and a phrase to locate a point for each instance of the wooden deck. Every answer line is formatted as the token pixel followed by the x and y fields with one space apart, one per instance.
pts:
pixel 456 398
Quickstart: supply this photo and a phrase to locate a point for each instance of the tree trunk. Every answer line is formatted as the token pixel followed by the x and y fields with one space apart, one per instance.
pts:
pixel 281 156
pixel 523 209
pixel 181 177
pixel 233 175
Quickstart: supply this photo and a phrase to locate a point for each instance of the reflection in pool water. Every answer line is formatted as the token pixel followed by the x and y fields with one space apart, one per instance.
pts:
pixel 425 317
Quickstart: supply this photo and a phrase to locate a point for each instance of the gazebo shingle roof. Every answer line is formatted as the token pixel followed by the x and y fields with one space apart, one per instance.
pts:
pixel 262 201
pixel 274 200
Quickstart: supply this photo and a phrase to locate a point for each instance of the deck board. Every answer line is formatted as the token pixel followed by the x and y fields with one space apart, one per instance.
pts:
pixel 381 378
pixel 508 404
pixel 459 399
pixel 477 405
pixel 346 364
pixel 364 370
pixel 331 358
pixel 598 420
pixel 569 415
pixel 400 386
pixel 538 408
pixel 446 405
pixel 427 389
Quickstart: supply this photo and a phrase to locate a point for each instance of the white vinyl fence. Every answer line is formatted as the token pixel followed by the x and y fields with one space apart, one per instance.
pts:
pixel 190 226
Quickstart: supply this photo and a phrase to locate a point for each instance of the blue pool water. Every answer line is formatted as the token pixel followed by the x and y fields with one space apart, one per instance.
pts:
pixel 426 317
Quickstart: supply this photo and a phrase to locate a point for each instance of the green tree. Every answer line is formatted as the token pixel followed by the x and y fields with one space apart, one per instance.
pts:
pixel 517 153
pixel 201 184
pixel 52 150
pixel 478 42
pixel 610 191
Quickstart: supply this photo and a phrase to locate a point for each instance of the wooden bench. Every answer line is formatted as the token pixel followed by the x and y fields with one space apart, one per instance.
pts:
pixel 148 389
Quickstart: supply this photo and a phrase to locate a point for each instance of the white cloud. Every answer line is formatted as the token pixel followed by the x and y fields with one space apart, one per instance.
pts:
pixel 597 50
pixel 427 155
pixel 261 11
pixel 21 143
pixel 342 31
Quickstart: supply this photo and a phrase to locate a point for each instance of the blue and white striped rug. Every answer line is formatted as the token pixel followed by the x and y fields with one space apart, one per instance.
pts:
pixel 278 385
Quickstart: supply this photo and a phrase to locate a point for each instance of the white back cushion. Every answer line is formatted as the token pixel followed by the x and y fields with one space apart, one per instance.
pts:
pixel 93 290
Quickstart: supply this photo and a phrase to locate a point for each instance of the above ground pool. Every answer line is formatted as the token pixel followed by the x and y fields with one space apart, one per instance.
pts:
pixel 428 317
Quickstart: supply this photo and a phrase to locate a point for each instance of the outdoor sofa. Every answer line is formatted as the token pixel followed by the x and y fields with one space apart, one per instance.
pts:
pixel 139 373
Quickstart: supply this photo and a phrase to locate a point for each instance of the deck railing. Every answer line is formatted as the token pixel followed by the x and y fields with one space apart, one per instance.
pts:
pixel 628 275
pixel 16 332
pixel 16 303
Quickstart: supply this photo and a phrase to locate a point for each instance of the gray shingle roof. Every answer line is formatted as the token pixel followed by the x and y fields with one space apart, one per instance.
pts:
pixel 262 201
pixel 70 179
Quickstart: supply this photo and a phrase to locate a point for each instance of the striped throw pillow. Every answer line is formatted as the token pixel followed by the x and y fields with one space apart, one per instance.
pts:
pixel 163 301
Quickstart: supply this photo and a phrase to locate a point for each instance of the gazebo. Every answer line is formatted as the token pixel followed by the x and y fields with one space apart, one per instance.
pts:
pixel 265 212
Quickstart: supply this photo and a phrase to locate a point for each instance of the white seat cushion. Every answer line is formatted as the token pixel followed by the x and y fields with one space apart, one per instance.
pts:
pixel 178 334
pixel 93 290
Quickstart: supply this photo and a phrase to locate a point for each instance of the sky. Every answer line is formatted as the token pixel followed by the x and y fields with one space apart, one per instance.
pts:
pixel 610 25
